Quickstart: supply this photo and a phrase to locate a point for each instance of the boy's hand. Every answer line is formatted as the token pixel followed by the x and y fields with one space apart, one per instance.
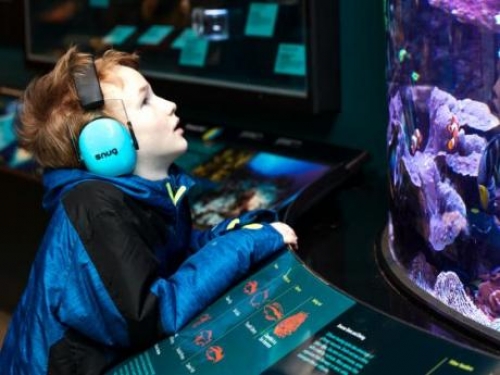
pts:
pixel 289 236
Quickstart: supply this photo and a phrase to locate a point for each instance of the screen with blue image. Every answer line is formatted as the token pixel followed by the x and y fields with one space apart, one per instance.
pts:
pixel 12 155
pixel 232 179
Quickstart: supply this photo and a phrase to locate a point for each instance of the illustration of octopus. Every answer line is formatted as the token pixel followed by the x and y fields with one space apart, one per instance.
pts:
pixel 273 311
pixel 214 354
pixel 289 325
pixel 203 338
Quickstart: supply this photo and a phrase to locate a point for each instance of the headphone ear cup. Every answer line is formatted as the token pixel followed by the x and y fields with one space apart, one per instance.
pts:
pixel 106 147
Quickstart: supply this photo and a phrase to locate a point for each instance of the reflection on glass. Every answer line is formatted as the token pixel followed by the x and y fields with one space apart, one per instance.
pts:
pixel 212 24
pixel 237 43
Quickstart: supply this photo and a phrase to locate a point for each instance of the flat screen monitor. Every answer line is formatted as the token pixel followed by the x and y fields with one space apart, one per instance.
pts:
pixel 236 55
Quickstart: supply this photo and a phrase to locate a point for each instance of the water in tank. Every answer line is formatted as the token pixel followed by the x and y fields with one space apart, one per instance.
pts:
pixel 443 148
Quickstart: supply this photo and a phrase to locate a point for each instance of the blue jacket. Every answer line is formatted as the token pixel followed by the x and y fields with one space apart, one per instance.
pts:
pixel 119 268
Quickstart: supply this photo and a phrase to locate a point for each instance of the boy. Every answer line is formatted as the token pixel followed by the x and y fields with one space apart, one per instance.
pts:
pixel 120 266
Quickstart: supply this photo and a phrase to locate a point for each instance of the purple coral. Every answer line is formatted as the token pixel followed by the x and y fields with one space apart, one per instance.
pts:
pixel 482 13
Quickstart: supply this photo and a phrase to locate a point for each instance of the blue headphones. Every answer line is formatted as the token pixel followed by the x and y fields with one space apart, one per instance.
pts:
pixel 105 146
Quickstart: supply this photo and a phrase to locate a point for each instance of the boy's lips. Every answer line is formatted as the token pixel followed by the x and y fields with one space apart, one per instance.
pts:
pixel 178 127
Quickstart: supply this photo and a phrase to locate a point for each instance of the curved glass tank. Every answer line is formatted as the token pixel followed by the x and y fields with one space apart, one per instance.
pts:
pixel 443 143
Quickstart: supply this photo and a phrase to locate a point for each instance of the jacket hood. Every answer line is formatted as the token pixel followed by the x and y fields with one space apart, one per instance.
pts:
pixel 58 182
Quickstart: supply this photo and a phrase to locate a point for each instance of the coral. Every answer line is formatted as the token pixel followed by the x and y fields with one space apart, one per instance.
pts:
pixel 450 290
pixel 421 168
pixel 476 115
pixel 422 273
pixel 443 107
pixel 444 210
pixel 445 228
pixel 464 165
pixel 488 295
pixel 479 13
pixel 444 207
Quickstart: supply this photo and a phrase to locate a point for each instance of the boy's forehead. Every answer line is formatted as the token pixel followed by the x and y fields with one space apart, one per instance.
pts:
pixel 122 82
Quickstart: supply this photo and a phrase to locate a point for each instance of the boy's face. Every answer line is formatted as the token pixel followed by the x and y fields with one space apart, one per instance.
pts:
pixel 153 118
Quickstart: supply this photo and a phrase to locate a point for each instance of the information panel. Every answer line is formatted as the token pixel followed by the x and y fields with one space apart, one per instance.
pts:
pixel 285 320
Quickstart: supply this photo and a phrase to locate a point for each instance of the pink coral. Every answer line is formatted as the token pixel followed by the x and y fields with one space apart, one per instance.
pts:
pixel 488 295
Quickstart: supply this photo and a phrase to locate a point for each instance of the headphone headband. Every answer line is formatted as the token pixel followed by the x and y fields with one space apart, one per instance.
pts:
pixel 88 88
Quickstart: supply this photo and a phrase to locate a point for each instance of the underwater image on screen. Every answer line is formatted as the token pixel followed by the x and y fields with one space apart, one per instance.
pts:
pixel 233 178
pixel 12 156
pixel 443 142
pixel 237 180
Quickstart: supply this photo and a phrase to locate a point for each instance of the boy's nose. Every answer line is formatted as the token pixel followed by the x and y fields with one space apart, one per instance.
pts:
pixel 171 107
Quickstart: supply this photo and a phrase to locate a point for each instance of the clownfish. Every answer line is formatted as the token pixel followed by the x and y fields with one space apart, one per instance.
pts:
pixel 416 141
pixel 452 143
pixel 453 126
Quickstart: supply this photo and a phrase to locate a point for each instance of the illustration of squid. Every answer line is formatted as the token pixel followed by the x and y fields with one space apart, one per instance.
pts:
pixel 214 354
pixel 273 311
pixel 259 298
pixel 201 319
pixel 203 338
pixel 289 325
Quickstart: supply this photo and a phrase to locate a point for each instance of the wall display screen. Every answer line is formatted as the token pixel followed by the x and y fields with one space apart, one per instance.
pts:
pixel 255 49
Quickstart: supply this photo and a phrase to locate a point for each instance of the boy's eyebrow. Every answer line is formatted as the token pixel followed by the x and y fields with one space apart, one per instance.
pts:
pixel 144 89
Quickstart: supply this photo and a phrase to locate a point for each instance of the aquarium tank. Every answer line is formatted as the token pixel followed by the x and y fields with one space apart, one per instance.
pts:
pixel 443 149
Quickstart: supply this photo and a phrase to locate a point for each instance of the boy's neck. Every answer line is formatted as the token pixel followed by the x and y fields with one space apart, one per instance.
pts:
pixel 152 171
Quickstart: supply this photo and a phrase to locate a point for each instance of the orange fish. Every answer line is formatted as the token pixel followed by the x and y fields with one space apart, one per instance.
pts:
pixel 453 126
pixel 452 143
pixel 289 325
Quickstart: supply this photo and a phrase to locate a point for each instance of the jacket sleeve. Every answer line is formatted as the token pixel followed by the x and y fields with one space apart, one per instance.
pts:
pixel 210 271
pixel 200 238
pixel 117 297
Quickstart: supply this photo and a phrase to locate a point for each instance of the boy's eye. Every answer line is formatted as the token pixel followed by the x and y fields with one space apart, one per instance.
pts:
pixel 145 101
